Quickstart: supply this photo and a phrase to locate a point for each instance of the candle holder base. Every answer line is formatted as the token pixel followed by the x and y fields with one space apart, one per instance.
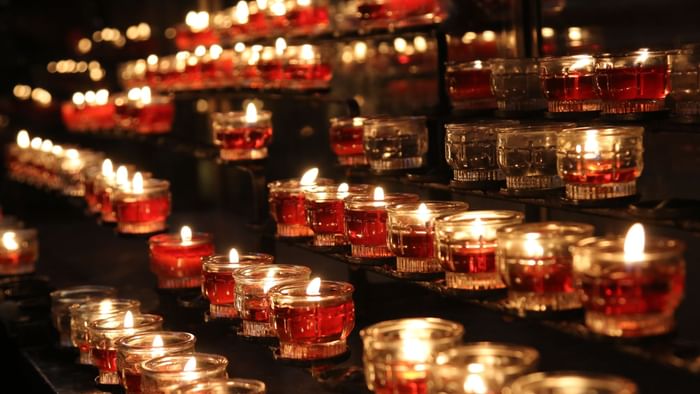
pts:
pixel 396 164
pixel 474 281
pixel 313 351
pixel 179 283
pixel 353 160
pixel 242 154
pixel 632 108
pixel 107 378
pixel 630 326
pixel 409 264
pixel 467 294
pixel 548 302
pixel 255 329
pixel 329 240
pixel 580 192
pixel 532 193
pixel 537 182
pixel 686 111
pixel 520 107
pixel 417 276
pixel 571 116
pixel 476 185
pixel 570 106
pixel 478 175
pixel 141 228
pixel 293 231
pixel 378 261
pixel 227 311
pixel 475 104
pixel 372 252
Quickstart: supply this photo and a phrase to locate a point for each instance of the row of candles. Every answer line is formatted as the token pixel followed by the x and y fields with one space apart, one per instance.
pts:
pixel 137 111
pixel 625 86
pixel 262 18
pixel 134 200
pixel 295 67
pixel 19 247
pixel 629 286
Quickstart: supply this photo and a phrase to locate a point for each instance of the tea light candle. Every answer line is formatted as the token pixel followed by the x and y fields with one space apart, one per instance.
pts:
pixel 62 299
pixel 600 163
pixel 286 200
pixel 176 259
pixel 163 374
pixel 252 299
pixel 271 64
pixel 218 284
pixel 242 135
pixel 569 84
pixel 630 286
pixel 469 85
pixel 104 333
pixel 325 212
pixel 305 68
pixel 135 349
pixel 108 190
pixel 395 143
pixel 94 190
pixel 19 250
pixel 365 222
pixel 634 83
pixel 516 85
pixel 313 318
pixel 480 367
pixel 308 17
pixel 346 135
pixel 466 247
pixel 411 233
pixel 580 382
pixel 538 265
pixel 153 114
pixel 81 315
pixel 143 206
pixel 231 386
pixel 398 353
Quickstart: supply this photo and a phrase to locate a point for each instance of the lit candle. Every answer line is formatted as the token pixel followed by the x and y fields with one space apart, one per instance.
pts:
pixel 286 200
pixel 569 83
pixel 176 258
pixel 469 85
pixel 19 250
pixel 143 207
pixel 108 191
pixel 325 212
pixel 161 375
pixel 242 135
pixel 305 69
pixel 346 136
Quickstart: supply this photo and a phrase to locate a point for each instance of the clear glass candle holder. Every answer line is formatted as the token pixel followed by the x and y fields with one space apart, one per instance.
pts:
pixel 222 386
pixel 144 210
pixel 480 367
pixel 466 247
pixel 626 297
pixel 346 136
pixel 135 349
pixel 411 233
pixel 470 149
pixel 287 206
pixel 62 299
pixel 633 83
pixel 104 334
pixel 240 136
pixel 684 95
pixel 178 263
pixel 218 284
pixel 325 212
pixel 397 354
pixel 572 382
pixel 19 250
pixel 469 85
pixel 516 85
pixel 568 83
pixel 81 315
pixel 253 285
pixel 599 163
pixel 365 223
pixel 312 324
pixel 395 143
pixel 527 156
pixel 163 375
pixel 537 265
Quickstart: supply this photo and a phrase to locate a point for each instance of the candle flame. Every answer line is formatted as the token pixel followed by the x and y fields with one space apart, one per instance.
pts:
pixel 128 320
pixel 591 147
pixel 278 8
pixel 146 97
pixel 251 113
pixel 107 168
pixel 157 341
pixel 35 143
pixel 78 98
pixel 478 64
pixel 102 97
pixel 280 46
pixel 157 347
pixel 303 3
pixel 642 56
pixel 582 61
pixel 57 150
pixel 242 12
pixel 477 229
pixel 262 4
pixel 200 50
pixel 105 306
pixel 72 154
pixel 423 213
pixel 186 235
pixel 307 52
pixel 634 244
pixel 9 241
pixel 23 140
pixel 152 59
pixel 215 51
pixel 46 145
pixel 134 94
pixel 269 281
pixel 233 256
pixel 343 188
pixel 314 287
pixel 309 177
pixel 122 175
pixel 137 183
pixel 379 193
pixel 474 383
pixel 532 246
pixel 415 349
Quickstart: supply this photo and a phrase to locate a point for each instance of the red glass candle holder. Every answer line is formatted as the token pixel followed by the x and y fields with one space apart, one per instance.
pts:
pixel 308 17
pixel 569 84
pixel 252 299
pixel 104 334
pixel 469 85
pixel 581 382
pixel 240 136
pixel 310 323
pixel 305 68
pixel 222 386
pixel 144 210
pixel 466 247
pixel 382 13
pixel 600 163
pixel 287 206
pixel 627 295
pixel 537 265
pixel 634 83
pixel 218 284
pixel 412 233
pixel 135 349
pixel 178 263
pixel 365 223
pixel 346 140
pixel 81 315
pixel 19 250
pixel 62 299
pixel 162 375
pixel 397 353
pixel 325 212
pixel 155 116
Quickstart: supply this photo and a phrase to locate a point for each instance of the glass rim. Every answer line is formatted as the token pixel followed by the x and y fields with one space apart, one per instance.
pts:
pixel 604 130
pixel 533 129
pixel 239 115
pixel 395 119
pixel 150 185
pixel 70 294
pixel 294 184
pixel 482 125
pixel 173 239
pixel 131 342
pixel 611 248
pixel 409 207
pixel 514 60
pixel 494 216
pixel 546 379
pixel 283 292
pixel 378 331
pixel 216 361
pixel 221 263
pixel 547 230
pixel 94 305
pixel 368 201
pixel 548 59
pixel 654 53
pixel 237 383
pixel 141 320
pixel 466 63
pixel 258 273
pixel 527 355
